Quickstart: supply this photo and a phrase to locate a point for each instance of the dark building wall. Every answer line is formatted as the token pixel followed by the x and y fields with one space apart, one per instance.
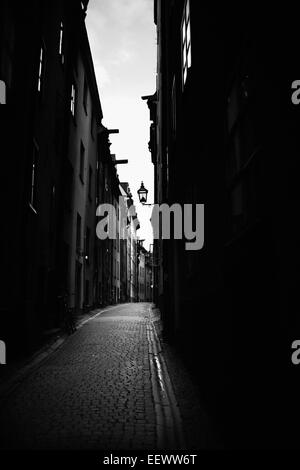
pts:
pixel 37 118
pixel 227 138
pixel 33 108
pixel 57 161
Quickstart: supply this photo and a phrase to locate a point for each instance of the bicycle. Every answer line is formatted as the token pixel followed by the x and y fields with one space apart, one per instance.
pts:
pixel 68 315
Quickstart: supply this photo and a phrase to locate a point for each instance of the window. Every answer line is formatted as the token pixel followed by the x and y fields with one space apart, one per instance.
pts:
pixel 82 159
pixel 85 94
pixel 78 234
pixel 90 183
pixel 2 92
pixel 73 99
pixel 186 41
pixel 61 42
pixel 33 177
pixel 41 69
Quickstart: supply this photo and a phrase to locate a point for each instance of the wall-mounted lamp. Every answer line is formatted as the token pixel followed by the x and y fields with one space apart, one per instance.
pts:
pixel 143 194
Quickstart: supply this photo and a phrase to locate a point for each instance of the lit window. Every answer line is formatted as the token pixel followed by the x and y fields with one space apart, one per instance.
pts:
pixel 61 42
pixel 41 69
pixel 73 99
pixel 186 41
pixel 2 92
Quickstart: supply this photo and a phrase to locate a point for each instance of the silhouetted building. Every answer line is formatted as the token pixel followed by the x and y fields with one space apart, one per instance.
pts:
pixel 224 134
pixel 60 168
pixel 39 50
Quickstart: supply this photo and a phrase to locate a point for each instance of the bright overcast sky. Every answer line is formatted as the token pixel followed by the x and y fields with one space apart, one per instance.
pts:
pixel 122 37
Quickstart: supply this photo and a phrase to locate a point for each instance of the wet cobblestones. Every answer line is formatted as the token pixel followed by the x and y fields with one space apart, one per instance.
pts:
pixel 93 393
pixel 98 391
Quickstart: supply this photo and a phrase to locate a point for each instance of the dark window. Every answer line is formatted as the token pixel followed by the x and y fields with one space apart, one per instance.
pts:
pixel 61 42
pixel 73 99
pixel 82 159
pixel 90 182
pixel 41 69
pixel 33 177
pixel 2 92
pixel 78 234
pixel 85 94
pixel 186 41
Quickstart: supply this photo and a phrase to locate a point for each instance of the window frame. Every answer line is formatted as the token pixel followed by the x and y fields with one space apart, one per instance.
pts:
pixel 41 69
pixel 73 99
pixel 186 42
pixel 61 42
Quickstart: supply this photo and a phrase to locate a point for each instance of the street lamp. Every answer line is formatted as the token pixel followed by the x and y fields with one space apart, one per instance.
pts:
pixel 143 194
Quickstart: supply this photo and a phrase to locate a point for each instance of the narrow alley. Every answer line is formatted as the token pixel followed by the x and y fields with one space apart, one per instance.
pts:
pixel 106 388
pixel 150 240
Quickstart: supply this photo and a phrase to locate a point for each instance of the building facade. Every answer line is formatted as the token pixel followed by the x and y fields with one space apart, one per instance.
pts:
pixel 59 159
pixel 144 274
pixel 39 46
pixel 214 118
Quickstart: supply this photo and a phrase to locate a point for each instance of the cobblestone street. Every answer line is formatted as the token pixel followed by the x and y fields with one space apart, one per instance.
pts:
pixel 105 388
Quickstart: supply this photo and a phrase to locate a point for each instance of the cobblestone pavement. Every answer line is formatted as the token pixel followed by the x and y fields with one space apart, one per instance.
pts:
pixel 105 388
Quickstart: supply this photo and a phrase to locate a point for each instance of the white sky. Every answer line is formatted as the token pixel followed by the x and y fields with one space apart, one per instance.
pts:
pixel 122 37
